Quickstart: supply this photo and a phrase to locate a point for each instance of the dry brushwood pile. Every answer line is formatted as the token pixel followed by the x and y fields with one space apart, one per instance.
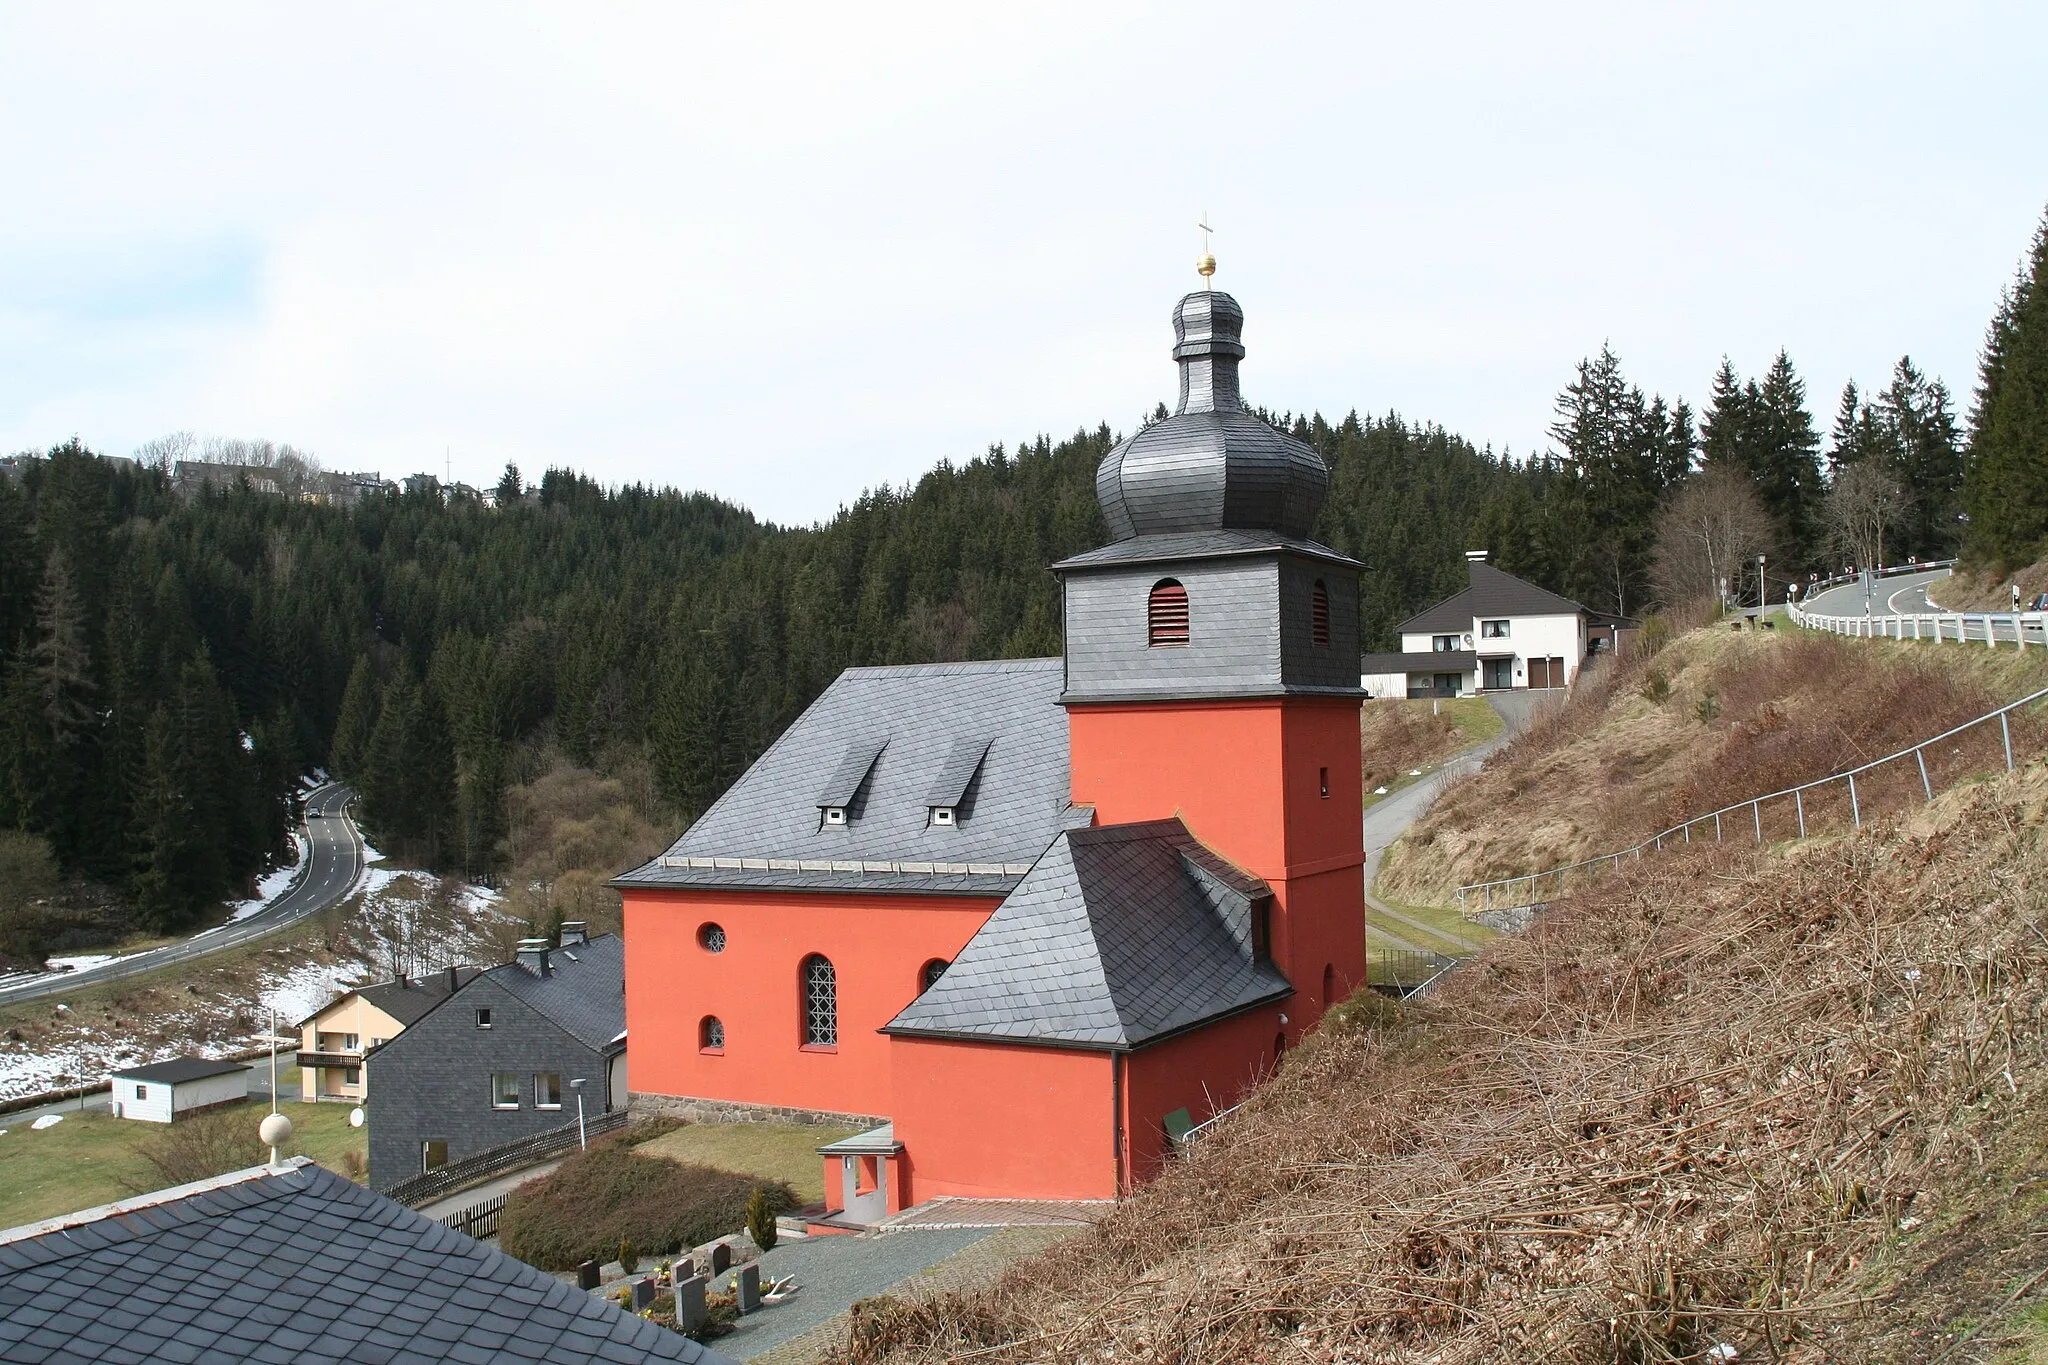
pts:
pixel 1724 1106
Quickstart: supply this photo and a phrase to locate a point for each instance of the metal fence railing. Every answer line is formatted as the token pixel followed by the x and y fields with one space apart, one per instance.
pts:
pixel 506 1156
pixel 1509 893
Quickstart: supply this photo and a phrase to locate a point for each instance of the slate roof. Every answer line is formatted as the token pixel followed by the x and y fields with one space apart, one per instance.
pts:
pixel 767 833
pixel 179 1070
pixel 1421 661
pixel 1492 593
pixel 407 1003
pixel 584 990
pixel 1119 936
pixel 295 1264
pixel 1198 545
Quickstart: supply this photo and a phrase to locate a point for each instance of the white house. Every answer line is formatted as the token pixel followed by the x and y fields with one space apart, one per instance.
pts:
pixel 161 1091
pixel 1500 634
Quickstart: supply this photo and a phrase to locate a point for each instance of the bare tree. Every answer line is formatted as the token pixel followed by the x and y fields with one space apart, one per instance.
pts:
pixel 1863 503
pixel 1709 529
pixel 165 451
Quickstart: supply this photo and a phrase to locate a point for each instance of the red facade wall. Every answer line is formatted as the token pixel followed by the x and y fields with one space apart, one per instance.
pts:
pixel 1204 1072
pixel 1247 778
pixel 877 945
pixel 989 1120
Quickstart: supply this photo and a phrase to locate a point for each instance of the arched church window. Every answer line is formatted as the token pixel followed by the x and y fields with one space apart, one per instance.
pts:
pixel 711 1034
pixel 929 975
pixel 1166 614
pixel 821 1002
pixel 1319 615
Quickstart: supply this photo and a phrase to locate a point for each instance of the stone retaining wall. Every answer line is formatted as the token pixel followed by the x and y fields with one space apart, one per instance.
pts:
pixel 691 1109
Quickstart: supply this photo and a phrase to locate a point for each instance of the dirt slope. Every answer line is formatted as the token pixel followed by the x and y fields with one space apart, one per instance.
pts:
pixel 1789 1104
pixel 1746 713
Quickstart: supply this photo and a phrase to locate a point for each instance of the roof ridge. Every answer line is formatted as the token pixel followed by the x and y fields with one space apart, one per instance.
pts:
pixel 99 1213
pixel 1133 829
pixel 941 670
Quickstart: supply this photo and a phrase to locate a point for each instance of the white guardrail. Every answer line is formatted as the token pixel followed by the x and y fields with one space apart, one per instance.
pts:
pixel 1987 628
pixel 1503 895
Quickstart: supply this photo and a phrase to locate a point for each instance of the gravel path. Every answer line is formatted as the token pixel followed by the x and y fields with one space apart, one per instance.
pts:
pixel 833 1271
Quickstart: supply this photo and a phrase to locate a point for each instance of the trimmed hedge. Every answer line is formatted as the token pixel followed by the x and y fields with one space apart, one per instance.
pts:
pixel 583 1208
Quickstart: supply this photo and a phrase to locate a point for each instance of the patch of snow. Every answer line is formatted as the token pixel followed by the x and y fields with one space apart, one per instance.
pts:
pixel 370 853
pixel 304 989
pixel 47 1121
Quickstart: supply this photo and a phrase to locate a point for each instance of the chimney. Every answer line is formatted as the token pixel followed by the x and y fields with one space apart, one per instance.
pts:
pixel 1477 556
pixel 403 984
pixel 454 980
pixel 573 933
pixel 533 955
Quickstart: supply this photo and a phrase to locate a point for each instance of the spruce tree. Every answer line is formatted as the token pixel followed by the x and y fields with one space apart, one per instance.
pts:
pixel 353 726
pixel 2006 484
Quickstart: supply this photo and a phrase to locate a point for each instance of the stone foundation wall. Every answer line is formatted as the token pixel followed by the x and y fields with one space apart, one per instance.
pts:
pixel 690 1109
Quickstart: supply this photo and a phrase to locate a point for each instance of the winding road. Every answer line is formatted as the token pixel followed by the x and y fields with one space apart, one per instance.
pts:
pixel 334 864
pixel 1906 595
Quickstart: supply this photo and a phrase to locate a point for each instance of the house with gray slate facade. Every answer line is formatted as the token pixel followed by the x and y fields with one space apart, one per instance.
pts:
pixel 497 1059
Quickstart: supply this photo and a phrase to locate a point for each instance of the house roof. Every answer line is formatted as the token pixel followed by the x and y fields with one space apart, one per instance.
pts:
pixel 179 1070
pixel 1117 937
pixel 1198 545
pixel 1491 593
pixel 407 1000
pixel 921 723
pixel 584 990
pixel 294 1263
pixel 1420 661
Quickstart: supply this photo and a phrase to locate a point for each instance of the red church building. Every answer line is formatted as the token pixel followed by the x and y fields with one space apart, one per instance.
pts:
pixel 1026 920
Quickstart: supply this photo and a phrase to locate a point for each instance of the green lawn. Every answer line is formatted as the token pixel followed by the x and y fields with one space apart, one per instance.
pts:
pixel 92 1158
pixel 773 1151
pixel 1457 933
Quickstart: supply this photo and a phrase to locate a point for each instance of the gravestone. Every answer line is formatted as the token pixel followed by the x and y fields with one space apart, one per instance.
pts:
pixel 587 1276
pixel 682 1270
pixel 747 1287
pixel 690 1311
pixel 643 1292
pixel 721 1258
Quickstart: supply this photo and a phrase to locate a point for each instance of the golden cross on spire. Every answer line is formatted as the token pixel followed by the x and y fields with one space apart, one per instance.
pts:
pixel 1205 265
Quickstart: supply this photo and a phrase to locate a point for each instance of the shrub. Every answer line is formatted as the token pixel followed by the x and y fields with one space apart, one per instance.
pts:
pixel 202 1146
pixel 1656 687
pixel 761 1219
pixel 594 1201
pixel 629 1260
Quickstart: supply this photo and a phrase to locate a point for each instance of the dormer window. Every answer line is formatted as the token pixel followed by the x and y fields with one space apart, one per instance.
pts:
pixel 949 801
pixel 842 797
pixel 835 815
pixel 942 815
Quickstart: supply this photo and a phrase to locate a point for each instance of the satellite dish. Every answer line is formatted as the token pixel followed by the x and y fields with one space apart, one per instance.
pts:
pixel 355 1117
pixel 1468 639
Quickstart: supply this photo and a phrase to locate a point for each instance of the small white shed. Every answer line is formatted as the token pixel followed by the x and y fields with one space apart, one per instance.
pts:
pixel 161 1091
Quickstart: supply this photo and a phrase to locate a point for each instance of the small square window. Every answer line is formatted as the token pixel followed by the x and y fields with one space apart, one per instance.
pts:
pixel 835 815
pixel 504 1090
pixel 483 1018
pixel 547 1090
pixel 141 1092
pixel 942 815
pixel 352 1076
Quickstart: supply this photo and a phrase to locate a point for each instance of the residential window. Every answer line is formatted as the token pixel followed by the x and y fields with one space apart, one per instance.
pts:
pixel 433 1154
pixel 350 1043
pixel 711 1034
pixel 504 1090
pixel 711 938
pixel 1493 630
pixel 352 1075
pixel 547 1090
pixel 1166 614
pixel 821 1002
pixel 1444 644
pixel 141 1092
pixel 1319 615
pixel 483 1018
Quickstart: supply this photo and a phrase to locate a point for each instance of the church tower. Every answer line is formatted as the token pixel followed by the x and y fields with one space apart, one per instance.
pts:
pixel 1211 667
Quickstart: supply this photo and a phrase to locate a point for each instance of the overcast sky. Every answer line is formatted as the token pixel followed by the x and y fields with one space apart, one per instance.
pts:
pixel 787 253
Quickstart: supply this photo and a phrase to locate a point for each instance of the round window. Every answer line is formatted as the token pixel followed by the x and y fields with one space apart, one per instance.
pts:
pixel 711 938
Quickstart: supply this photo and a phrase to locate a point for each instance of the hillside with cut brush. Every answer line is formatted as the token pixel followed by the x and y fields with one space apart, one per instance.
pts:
pixel 1731 1103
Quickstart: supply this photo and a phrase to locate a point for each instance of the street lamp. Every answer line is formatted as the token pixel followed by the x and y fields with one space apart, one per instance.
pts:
pixel 582 1137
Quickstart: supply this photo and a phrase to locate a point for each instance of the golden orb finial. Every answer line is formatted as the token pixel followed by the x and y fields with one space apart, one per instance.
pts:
pixel 1205 264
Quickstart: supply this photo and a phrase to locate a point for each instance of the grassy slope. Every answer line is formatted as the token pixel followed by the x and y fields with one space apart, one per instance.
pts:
pixel 773 1151
pixel 1612 767
pixel 1402 741
pixel 92 1159
pixel 1794 1100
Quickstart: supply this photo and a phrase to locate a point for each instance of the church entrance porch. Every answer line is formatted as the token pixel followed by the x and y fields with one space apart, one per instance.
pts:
pixel 863 1177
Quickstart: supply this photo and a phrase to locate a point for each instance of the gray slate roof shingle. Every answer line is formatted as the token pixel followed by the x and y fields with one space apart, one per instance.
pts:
pixel 1491 593
pixel 1421 661
pixel 1198 545
pixel 927 718
pixel 584 991
pixel 1119 936
pixel 296 1264
pixel 179 1070
pixel 409 1003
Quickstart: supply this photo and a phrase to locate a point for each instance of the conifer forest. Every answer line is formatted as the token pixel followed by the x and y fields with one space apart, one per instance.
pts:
pixel 172 665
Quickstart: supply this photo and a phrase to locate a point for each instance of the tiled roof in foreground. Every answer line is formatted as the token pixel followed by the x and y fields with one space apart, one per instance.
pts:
pixel 295 1264
pixel 1120 936
pixel 878 743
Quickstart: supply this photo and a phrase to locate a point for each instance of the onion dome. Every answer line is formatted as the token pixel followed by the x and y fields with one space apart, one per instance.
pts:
pixel 1211 466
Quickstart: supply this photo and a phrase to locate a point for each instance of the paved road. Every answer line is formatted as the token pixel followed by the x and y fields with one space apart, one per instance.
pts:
pixel 1907 595
pixel 334 863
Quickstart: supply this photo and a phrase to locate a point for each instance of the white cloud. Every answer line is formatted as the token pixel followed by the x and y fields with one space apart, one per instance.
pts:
pixel 784 253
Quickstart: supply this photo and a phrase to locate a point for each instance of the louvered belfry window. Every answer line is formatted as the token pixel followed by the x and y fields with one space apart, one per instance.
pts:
pixel 1319 615
pixel 821 1003
pixel 1166 614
